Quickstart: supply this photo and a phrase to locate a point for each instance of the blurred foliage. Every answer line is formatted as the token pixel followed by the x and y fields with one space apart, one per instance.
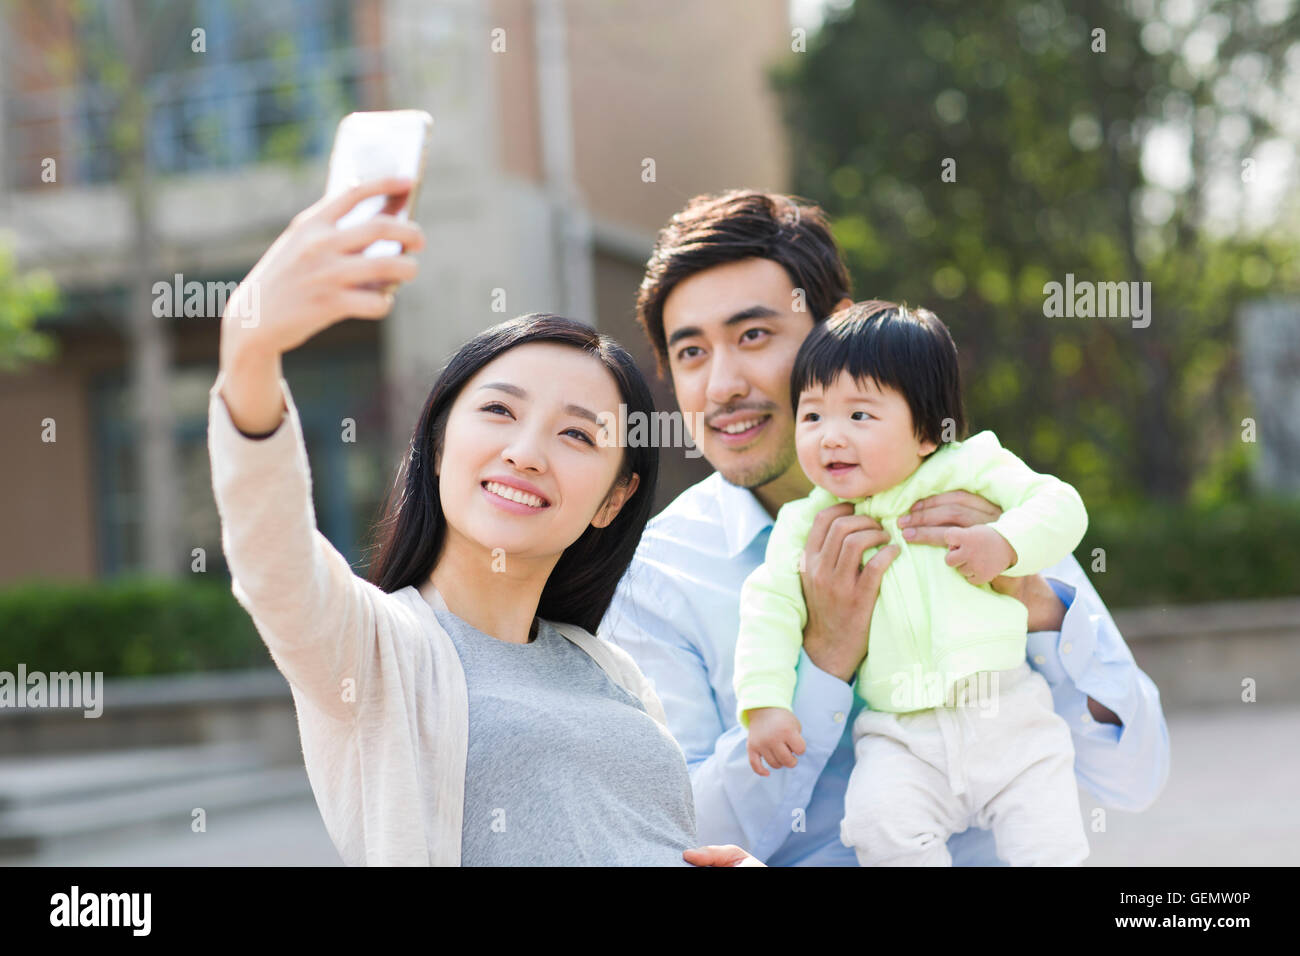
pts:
pixel 1047 136
pixel 1189 553
pixel 23 300
pixel 128 627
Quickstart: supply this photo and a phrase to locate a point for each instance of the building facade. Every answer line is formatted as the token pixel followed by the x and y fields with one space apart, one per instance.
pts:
pixel 547 116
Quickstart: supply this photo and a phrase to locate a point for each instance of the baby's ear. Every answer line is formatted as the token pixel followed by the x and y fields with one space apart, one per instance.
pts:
pixel 927 447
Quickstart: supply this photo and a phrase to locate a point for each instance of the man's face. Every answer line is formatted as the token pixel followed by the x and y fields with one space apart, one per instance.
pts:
pixel 732 333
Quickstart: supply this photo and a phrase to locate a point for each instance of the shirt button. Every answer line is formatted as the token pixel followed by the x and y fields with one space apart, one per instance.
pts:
pixel 838 717
pixel 1087 717
pixel 1066 647
pixel 1040 659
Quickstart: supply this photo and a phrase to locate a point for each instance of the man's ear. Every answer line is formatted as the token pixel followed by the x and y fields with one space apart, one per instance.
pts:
pixel 614 503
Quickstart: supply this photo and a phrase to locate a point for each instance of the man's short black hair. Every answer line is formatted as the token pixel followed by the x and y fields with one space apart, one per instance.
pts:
pixel 742 224
pixel 908 350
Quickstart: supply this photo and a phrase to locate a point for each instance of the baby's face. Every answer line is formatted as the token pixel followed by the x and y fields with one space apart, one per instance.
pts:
pixel 855 439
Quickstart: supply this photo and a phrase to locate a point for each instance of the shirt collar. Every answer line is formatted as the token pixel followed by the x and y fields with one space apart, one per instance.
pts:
pixel 743 516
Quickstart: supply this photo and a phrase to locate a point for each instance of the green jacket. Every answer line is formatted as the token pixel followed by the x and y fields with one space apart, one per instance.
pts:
pixel 930 626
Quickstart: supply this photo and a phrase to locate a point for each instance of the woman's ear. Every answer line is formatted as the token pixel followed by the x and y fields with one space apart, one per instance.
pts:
pixel 614 503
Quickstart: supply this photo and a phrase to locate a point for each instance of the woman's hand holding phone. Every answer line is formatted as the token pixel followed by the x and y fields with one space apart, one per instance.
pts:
pixel 311 277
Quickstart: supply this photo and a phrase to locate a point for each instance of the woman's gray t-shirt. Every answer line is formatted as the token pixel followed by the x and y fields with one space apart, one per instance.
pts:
pixel 565 767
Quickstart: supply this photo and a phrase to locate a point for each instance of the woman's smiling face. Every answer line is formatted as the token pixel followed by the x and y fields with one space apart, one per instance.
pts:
pixel 531 451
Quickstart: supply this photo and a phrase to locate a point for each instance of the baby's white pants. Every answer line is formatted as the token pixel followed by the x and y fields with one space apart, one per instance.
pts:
pixel 1000 758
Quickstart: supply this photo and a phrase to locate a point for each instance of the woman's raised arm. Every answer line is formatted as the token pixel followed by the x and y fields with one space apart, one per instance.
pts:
pixel 313 612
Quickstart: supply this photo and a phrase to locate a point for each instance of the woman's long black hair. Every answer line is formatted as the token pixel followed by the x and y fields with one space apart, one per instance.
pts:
pixel 411 532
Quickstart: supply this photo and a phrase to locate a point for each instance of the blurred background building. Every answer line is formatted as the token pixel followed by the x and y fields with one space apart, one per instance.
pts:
pixel 534 200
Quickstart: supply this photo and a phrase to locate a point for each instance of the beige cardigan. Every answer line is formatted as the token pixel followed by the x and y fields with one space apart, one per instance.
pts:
pixel 377 683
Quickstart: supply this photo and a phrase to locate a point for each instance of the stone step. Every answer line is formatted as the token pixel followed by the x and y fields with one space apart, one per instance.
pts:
pixel 49 779
pixel 173 710
pixel 86 813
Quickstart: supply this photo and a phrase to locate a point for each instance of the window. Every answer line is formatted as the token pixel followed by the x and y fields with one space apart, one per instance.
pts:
pixel 349 479
pixel 272 81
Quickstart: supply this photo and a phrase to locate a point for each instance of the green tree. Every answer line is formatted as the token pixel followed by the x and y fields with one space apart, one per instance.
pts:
pixel 24 299
pixel 1041 130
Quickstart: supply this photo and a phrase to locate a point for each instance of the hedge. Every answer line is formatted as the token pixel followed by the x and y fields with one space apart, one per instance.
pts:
pixel 127 627
pixel 138 626
pixel 1160 554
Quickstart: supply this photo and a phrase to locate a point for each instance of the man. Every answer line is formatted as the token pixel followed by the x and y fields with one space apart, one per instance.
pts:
pixel 735 283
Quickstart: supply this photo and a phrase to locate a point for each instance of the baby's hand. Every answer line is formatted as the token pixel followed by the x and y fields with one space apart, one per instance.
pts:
pixel 773 736
pixel 978 552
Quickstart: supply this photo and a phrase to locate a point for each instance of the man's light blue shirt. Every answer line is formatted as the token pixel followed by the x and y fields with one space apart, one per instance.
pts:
pixel 677 612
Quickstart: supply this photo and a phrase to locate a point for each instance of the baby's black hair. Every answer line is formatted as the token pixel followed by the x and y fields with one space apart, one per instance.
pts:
pixel 909 350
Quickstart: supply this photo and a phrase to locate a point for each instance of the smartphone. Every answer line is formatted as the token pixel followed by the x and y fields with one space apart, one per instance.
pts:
pixel 373 145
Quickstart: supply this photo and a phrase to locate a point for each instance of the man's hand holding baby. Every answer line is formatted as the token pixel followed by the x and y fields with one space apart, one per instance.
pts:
pixel 979 553
pixel 774 736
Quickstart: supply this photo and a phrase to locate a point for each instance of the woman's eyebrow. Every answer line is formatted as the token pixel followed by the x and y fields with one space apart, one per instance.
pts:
pixel 582 413
pixel 518 392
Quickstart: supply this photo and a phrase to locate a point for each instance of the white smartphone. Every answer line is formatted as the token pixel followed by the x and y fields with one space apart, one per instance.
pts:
pixel 374 145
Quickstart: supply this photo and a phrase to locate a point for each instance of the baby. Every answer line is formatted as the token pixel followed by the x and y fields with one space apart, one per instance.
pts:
pixel 878 412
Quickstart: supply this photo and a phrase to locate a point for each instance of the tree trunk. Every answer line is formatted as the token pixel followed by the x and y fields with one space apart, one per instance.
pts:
pixel 148 336
pixel 1161 466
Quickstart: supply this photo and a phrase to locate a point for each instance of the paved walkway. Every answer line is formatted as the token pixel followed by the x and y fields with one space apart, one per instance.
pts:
pixel 286 834
pixel 1231 800
pixel 1233 797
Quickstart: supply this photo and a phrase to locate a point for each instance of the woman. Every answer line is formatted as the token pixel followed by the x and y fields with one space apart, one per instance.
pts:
pixel 456 708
